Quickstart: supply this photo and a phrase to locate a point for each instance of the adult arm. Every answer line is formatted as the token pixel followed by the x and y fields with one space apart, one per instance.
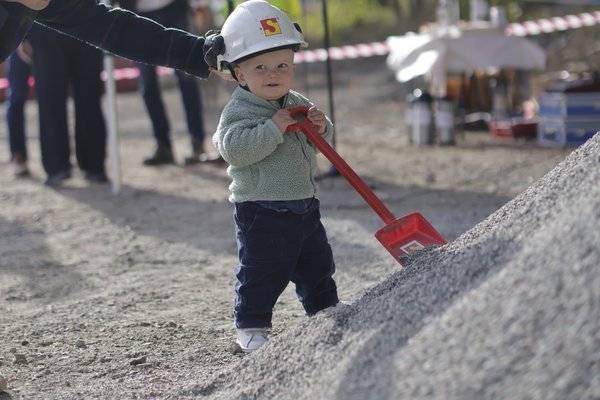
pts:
pixel 126 34
pixel 15 21
pixel 115 30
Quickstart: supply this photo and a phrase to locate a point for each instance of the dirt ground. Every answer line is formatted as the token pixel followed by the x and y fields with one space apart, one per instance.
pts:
pixel 130 295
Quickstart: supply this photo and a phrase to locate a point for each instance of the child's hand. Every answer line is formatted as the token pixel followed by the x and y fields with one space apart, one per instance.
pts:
pixel 318 119
pixel 283 119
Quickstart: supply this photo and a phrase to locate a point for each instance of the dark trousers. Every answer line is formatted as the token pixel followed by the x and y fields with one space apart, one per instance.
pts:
pixel 276 248
pixel 58 61
pixel 18 89
pixel 174 15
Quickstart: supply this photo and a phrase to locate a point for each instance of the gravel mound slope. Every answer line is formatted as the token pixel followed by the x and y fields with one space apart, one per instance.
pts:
pixel 511 309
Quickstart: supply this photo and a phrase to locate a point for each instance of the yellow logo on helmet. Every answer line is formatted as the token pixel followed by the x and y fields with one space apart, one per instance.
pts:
pixel 270 26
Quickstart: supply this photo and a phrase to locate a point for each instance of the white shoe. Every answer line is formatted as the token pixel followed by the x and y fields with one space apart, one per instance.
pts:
pixel 19 164
pixel 251 339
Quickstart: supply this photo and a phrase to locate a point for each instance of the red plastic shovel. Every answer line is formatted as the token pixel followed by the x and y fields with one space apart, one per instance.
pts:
pixel 399 236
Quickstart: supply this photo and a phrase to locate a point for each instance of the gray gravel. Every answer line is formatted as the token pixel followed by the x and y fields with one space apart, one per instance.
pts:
pixel 510 309
pixel 130 296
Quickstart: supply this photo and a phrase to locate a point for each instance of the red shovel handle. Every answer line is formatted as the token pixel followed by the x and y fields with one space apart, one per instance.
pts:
pixel 306 127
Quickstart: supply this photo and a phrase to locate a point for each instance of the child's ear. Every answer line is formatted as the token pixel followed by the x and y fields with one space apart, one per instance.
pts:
pixel 240 76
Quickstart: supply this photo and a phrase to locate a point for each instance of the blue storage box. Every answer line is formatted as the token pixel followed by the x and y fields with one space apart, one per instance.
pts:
pixel 568 105
pixel 566 132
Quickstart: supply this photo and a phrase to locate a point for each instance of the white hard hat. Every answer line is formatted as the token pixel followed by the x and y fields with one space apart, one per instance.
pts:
pixel 254 27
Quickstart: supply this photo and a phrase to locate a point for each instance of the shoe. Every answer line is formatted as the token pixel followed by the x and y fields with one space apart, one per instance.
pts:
pixel 199 156
pixel 56 179
pixel 204 158
pixel 251 339
pixel 19 164
pixel 162 155
pixel 96 177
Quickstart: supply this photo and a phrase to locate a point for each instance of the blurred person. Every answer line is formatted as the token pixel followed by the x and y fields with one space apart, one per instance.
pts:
pixel 62 64
pixel 202 15
pixel 280 236
pixel 173 14
pixel 18 74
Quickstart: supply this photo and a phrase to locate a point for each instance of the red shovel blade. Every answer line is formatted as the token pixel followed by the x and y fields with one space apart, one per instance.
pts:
pixel 407 234
pixel 399 236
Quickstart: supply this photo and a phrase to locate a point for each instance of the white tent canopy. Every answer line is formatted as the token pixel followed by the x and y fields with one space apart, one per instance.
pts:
pixel 460 50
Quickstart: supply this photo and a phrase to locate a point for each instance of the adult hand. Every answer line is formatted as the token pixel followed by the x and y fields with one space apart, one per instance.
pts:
pixel 214 46
pixel 36 5
pixel 25 52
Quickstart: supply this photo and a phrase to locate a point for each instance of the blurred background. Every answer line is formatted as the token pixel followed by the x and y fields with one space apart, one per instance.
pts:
pixel 507 97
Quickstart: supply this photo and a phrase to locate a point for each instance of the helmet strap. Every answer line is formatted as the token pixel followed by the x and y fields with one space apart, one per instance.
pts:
pixel 232 71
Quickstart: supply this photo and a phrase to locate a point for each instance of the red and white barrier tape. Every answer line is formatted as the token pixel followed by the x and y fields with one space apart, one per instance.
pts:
pixel 374 49
pixel 554 24
pixel 535 27
pixel 343 52
pixel 118 74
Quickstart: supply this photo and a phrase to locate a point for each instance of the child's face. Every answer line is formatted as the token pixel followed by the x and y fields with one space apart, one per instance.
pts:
pixel 269 75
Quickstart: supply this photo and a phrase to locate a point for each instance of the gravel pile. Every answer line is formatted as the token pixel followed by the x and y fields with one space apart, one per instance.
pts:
pixel 511 309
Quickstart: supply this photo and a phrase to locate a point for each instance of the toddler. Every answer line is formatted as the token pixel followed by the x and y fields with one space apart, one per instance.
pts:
pixel 280 236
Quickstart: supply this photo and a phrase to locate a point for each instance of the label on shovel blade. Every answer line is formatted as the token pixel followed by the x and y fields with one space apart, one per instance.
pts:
pixel 412 246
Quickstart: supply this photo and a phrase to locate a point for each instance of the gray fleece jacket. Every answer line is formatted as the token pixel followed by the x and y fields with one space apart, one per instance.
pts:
pixel 265 163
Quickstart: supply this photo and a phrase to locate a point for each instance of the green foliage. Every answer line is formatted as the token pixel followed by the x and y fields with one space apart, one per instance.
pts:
pixel 348 19
pixel 352 21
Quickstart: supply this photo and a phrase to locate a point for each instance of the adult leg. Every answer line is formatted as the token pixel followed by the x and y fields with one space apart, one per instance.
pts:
pixel 90 127
pixel 192 103
pixel 191 96
pixel 18 90
pixel 51 80
pixel 149 87
pixel 176 15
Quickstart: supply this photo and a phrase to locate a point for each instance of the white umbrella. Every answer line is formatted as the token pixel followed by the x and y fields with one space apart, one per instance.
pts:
pixel 460 50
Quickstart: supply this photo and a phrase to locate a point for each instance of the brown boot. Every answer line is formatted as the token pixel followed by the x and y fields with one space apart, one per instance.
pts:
pixel 162 155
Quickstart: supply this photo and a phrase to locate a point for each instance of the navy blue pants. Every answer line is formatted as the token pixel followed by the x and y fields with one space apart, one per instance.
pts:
pixel 175 15
pixel 59 63
pixel 18 90
pixel 275 248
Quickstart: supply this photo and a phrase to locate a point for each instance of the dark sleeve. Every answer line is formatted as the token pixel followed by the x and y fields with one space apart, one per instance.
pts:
pixel 126 34
pixel 15 21
pixel 3 15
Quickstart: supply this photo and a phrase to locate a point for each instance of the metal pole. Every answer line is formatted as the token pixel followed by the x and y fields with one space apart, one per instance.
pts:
pixel 332 170
pixel 328 67
pixel 113 134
